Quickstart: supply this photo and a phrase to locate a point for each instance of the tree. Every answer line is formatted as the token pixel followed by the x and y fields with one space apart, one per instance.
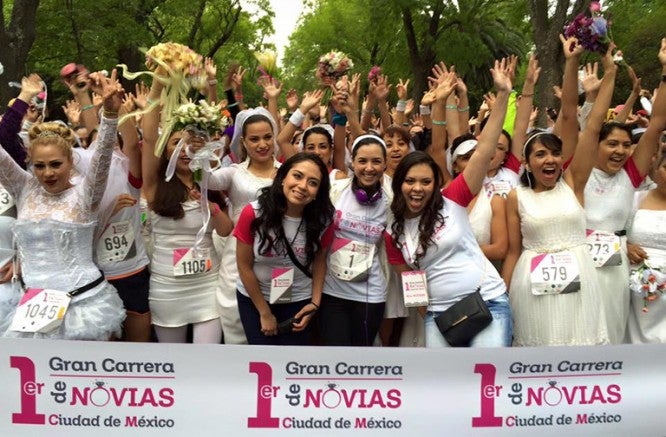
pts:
pixel 16 38
pixel 546 29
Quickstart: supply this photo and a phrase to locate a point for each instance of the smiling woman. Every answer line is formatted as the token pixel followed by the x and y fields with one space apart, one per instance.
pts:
pixel 282 239
pixel 55 226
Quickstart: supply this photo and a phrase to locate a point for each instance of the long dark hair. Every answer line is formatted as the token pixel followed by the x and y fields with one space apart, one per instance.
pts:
pixel 431 216
pixel 317 215
pixel 549 141
pixel 169 196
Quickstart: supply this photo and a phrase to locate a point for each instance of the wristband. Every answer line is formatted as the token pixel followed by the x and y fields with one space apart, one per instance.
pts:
pixel 527 95
pixel 216 210
pixel 86 107
pixel 297 118
pixel 405 124
pixel 465 109
pixel 212 82
pixel 232 105
pixel 424 110
pixel 451 107
pixel 109 114
pixel 439 123
pixel 315 305
pixel 402 104
pixel 340 120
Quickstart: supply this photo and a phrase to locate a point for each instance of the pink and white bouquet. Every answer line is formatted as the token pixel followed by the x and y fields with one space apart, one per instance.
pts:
pixel 592 31
pixel 332 66
pixel 648 281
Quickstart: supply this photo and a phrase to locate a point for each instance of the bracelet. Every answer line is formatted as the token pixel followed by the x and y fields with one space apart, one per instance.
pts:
pixel 297 118
pixel 451 107
pixel 424 110
pixel 340 120
pixel 232 105
pixel 402 104
pixel 405 124
pixel 439 123
pixel 465 109
pixel 86 107
pixel 315 305
pixel 527 95
pixel 239 97
pixel 212 82
pixel 216 210
pixel 110 114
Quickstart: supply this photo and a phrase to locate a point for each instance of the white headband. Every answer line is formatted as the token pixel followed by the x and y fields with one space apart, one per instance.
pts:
pixel 463 148
pixel 368 136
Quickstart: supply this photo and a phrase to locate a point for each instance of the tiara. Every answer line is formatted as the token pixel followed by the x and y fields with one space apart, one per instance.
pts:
pixel 47 133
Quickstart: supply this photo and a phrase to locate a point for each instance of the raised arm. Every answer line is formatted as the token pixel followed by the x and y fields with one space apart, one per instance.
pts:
pixel 478 164
pixel 446 83
pixel 272 91
pixel 649 142
pixel 568 116
pixel 524 111
pixel 10 125
pixel 585 154
pixel 622 116
pixel 150 164
pixel 310 100
pixel 98 172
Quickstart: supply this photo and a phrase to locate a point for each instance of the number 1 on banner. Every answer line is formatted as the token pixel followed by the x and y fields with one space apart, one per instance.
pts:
pixel 488 392
pixel 29 389
pixel 265 393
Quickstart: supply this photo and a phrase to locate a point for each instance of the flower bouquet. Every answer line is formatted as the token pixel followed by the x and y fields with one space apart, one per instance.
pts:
pixel 374 73
pixel 592 31
pixel 648 281
pixel 180 69
pixel 267 64
pixel 331 67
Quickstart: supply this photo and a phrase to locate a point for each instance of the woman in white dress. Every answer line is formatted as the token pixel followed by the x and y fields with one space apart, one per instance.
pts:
pixel 647 318
pixel 254 142
pixel 184 268
pixel 552 282
pixel 54 231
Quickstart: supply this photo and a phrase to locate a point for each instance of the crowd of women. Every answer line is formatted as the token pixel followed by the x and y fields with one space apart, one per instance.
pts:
pixel 341 221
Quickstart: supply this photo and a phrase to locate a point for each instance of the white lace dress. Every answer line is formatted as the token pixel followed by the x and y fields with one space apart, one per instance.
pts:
pixel 552 221
pixel 54 236
pixel 242 188
pixel 649 231
pixel 9 291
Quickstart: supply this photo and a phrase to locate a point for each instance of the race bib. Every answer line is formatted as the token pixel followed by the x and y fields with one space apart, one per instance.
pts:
pixel 7 204
pixel 40 310
pixel 500 188
pixel 555 273
pixel 415 288
pixel 117 242
pixel 351 260
pixel 282 280
pixel 185 263
pixel 604 248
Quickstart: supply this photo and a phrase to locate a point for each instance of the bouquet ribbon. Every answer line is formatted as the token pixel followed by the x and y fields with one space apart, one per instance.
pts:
pixel 200 164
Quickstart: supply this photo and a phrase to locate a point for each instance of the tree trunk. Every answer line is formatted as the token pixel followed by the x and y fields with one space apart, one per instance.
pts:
pixel 16 40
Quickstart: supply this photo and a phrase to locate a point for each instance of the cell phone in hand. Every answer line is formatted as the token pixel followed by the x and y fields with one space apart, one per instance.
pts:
pixel 288 325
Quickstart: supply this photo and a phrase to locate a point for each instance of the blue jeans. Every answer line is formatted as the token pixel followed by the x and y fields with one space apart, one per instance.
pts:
pixel 498 334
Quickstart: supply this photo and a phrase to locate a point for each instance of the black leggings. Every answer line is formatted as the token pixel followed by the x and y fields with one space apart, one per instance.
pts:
pixel 346 322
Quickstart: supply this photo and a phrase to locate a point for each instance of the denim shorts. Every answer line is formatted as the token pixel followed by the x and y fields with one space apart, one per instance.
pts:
pixel 498 334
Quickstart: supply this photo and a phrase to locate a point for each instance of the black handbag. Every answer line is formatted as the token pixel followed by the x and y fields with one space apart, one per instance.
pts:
pixel 464 320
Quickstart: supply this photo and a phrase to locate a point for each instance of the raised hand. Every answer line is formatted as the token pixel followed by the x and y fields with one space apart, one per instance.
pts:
pixel 311 100
pixel 489 99
pixel 32 85
pixel 409 107
pixel 401 89
pixel 591 81
pixel 446 84
pixel 557 92
pixel 210 68
pixel 571 47
pixel 607 59
pixel 533 70
pixel 140 96
pixel 72 111
pixel 635 81
pixel 502 75
pixel 292 100
pixel 109 89
pixel 237 79
pixel 271 88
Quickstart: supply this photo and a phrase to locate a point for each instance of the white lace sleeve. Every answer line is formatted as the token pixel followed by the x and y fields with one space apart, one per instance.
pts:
pixel 95 179
pixel 12 176
pixel 220 179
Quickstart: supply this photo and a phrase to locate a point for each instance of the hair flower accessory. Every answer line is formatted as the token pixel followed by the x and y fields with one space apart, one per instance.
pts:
pixel 648 281
pixel 592 31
